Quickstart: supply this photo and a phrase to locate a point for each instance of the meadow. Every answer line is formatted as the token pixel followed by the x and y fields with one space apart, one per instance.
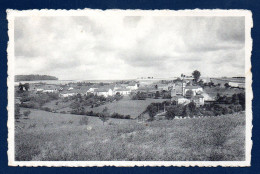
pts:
pixel 213 91
pixel 126 106
pixel 47 136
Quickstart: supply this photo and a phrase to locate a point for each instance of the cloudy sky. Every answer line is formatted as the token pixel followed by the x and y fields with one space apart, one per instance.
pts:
pixel 127 47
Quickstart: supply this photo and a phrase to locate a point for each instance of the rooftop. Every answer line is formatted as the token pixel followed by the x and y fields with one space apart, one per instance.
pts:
pixel 192 87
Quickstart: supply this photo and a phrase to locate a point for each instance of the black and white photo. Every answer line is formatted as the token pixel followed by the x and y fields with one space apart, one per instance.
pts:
pixel 129 87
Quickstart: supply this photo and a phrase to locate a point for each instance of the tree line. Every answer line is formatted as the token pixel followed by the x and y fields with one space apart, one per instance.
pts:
pixel 33 77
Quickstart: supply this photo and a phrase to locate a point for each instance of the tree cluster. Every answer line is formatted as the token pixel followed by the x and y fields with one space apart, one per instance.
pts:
pixel 34 77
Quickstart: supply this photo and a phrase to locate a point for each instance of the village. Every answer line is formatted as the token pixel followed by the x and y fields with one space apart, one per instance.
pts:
pixel 133 96
pixel 150 88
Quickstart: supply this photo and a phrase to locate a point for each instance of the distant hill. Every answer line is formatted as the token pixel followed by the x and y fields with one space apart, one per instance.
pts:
pixel 34 77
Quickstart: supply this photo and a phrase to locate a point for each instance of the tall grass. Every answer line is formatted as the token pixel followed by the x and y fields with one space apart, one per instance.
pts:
pixel 205 139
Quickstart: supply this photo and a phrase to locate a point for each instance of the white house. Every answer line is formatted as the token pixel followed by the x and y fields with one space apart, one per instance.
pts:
pixel 237 84
pixel 91 90
pixel 105 92
pixel 70 88
pixel 132 86
pixel 122 91
pixel 67 94
pixel 194 89
pixel 39 89
pixel 49 89
pixel 198 100
pixel 180 100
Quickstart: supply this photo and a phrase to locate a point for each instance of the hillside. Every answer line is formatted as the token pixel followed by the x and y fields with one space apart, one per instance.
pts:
pixel 33 77
pixel 51 136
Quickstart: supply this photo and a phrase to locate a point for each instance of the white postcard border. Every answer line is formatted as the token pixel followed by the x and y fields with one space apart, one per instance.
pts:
pixel 11 14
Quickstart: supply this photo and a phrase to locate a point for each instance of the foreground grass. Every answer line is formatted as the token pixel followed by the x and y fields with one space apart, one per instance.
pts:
pixel 60 137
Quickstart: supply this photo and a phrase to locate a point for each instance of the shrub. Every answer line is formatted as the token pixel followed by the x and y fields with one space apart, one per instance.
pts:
pixel 17 111
pixel 104 115
pixel 46 109
pixel 175 110
pixel 152 110
pixel 127 117
pixel 83 121
pixel 26 113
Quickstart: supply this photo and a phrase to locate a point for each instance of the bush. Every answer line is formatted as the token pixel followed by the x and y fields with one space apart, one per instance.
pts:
pixel 17 111
pixel 127 117
pixel 83 121
pixel 26 113
pixel 152 110
pixel 175 110
pixel 46 109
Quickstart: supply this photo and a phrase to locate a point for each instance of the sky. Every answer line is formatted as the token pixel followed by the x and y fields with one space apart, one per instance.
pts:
pixel 128 47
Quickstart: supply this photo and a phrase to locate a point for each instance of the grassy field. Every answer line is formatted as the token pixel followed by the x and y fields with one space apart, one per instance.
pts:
pixel 60 137
pixel 223 91
pixel 126 106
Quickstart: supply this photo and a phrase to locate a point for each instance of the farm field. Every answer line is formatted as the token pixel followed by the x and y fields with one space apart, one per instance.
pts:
pixel 213 91
pixel 60 137
pixel 126 106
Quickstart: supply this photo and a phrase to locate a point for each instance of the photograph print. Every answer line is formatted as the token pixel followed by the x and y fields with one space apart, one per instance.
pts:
pixel 129 88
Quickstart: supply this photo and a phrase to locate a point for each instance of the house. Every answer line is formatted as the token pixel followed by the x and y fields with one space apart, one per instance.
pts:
pixel 67 94
pixel 188 79
pixel 103 91
pixel 122 91
pixel 132 86
pixel 162 87
pixel 91 90
pixel 237 84
pixel 50 89
pixel 180 100
pixel 79 90
pixel 198 100
pixel 194 89
pixel 70 88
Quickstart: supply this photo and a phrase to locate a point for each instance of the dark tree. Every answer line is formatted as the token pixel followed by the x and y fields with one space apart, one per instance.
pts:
pixel 175 110
pixel 20 87
pixel 227 85
pixel 157 94
pixel 196 75
pixel 152 110
pixel 17 111
pixel 26 86
pixel 235 99
pixel 26 113
pixel 104 115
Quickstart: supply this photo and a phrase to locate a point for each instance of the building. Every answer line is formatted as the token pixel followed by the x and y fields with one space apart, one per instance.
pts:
pixel 103 92
pixel 132 86
pixel 70 88
pixel 67 94
pixel 49 89
pixel 179 88
pixel 122 91
pixel 181 100
pixel 194 89
pixel 91 90
pixel 198 100
pixel 188 79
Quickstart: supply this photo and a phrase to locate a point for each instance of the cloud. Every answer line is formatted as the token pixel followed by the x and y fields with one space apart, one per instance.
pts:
pixel 119 47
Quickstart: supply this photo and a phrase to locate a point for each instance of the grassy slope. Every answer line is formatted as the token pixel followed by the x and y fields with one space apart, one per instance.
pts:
pixel 223 91
pixel 126 106
pixel 52 136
